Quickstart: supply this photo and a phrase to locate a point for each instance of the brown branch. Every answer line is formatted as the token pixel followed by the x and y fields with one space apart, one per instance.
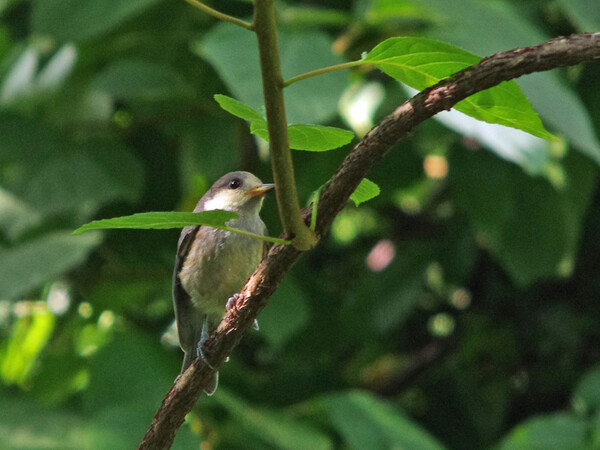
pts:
pixel 491 71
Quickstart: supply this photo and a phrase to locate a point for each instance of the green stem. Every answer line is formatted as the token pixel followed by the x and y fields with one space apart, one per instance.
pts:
pixel 314 73
pixel 281 156
pixel 252 235
pixel 219 15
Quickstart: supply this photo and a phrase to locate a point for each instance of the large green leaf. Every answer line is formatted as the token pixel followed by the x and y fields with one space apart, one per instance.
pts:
pixel 529 152
pixel 53 174
pixel 420 63
pixel 587 393
pixel 233 52
pixel 585 14
pixel 377 12
pixel 558 431
pixel 277 429
pixel 288 306
pixel 166 220
pixel 364 421
pixel 312 16
pixel 315 138
pixel 83 19
pixel 4 42
pixel 487 27
pixel 314 100
pixel 16 216
pixel 24 138
pixel 128 379
pixel 81 179
pixel 161 220
pixel 136 79
pixel 24 424
pixel 28 265
pixel 531 226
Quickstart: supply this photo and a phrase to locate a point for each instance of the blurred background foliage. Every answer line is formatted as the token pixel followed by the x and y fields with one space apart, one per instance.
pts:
pixel 457 310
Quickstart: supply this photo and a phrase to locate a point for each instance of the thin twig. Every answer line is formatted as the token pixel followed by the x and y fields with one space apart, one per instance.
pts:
pixel 254 235
pixel 502 66
pixel 219 15
pixel 314 73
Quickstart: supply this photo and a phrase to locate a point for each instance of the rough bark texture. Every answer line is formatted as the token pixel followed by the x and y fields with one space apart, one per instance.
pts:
pixel 491 71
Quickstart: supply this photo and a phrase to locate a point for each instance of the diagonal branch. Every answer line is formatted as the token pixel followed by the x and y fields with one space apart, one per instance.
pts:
pixel 493 70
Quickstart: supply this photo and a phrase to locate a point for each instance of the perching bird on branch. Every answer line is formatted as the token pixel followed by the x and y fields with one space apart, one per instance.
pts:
pixel 214 264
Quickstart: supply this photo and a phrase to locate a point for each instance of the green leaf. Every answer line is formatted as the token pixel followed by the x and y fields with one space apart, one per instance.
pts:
pixel 29 336
pixel 239 109
pixel 313 17
pixel 314 100
pixel 366 190
pixel 24 138
pixel 16 216
pixel 585 14
pixel 129 377
pixel 486 27
pixel 55 174
pixel 420 63
pixel 586 397
pixel 315 138
pixel 165 220
pixel 5 43
pixel 531 226
pixel 381 11
pixel 161 220
pixel 557 431
pixel 364 421
pixel 81 178
pixel 83 19
pixel 277 429
pixel 529 152
pixel 233 52
pixel 27 266
pixel 136 79
pixel 61 429
pixel 288 306
pixel 112 367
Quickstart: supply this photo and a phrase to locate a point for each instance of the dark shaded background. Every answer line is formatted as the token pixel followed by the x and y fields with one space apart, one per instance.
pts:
pixel 456 310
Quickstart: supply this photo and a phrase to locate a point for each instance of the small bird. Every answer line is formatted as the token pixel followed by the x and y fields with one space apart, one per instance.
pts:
pixel 213 264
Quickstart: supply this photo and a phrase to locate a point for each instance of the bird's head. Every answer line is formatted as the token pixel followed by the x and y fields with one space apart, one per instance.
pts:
pixel 240 192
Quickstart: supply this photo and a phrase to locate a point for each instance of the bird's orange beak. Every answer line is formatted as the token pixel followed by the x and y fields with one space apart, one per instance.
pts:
pixel 260 190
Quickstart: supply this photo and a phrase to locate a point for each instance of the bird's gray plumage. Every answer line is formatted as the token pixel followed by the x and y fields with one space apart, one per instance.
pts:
pixel 213 264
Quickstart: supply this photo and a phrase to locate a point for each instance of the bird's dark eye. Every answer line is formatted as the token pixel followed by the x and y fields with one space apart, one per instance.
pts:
pixel 235 183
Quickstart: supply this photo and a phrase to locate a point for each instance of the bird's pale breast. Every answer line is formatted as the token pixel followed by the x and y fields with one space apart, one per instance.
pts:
pixel 212 275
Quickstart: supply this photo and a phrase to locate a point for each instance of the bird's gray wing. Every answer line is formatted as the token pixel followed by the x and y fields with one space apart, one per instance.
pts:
pixel 189 323
pixel 185 313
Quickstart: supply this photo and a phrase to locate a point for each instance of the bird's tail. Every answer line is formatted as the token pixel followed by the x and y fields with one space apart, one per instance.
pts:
pixel 189 355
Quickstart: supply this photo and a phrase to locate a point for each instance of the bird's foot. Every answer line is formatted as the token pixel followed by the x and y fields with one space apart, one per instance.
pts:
pixel 231 301
pixel 200 354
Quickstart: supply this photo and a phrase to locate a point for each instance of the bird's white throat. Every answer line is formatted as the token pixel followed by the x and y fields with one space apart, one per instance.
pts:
pixel 220 202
